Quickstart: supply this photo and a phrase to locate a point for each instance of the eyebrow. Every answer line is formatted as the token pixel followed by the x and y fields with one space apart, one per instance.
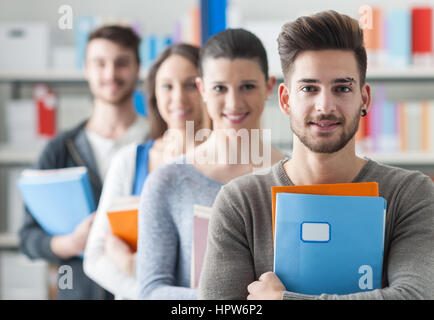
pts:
pixel 338 80
pixel 242 81
pixel 192 78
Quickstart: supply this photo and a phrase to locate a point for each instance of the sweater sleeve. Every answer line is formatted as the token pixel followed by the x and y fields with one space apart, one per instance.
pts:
pixel 34 241
pixel 97 266
pixel 228 267
pixel 157 248
pixel 410 263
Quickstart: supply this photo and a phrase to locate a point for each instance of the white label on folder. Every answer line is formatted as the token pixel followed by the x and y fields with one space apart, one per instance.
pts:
pixel 315 231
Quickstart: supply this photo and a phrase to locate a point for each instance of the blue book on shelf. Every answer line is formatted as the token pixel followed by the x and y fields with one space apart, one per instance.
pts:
pixel 58 199
pixel 83 27
pixel 329 244
pixel 213 18
pixel 398 37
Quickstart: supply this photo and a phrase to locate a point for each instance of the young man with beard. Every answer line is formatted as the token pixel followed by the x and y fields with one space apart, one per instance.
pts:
pixel 112 68
pixel 325 94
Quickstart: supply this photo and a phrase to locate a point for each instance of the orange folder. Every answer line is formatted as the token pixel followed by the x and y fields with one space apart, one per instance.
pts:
pixel 123 220
pixel 363 189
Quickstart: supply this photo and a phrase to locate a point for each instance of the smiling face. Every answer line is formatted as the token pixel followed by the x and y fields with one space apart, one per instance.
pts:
pixel 324 99
pixel 235 92
pixel 178 98
pixel 111 71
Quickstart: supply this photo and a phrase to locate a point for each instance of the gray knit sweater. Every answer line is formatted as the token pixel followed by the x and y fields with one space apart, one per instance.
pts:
pixel 240 239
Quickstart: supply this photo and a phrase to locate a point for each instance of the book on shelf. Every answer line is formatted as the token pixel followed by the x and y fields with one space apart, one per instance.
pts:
pixel 329 244
pixel 46 104
pixel 422 30
pixel 123 218
pixel 58 199
pixel 201 218
pixel 397 126
pixel 399 37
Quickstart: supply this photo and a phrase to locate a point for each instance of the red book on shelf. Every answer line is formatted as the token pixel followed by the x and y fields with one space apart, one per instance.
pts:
pixel 45 101
pixel 421 26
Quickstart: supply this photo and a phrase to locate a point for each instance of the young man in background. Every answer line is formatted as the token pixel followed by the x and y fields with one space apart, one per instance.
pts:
pixel 112 68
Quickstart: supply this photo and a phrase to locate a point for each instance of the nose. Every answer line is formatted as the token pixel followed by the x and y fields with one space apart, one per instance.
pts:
pixel 110 71
pixel 233 100
pixel 178 94
pixel 325 103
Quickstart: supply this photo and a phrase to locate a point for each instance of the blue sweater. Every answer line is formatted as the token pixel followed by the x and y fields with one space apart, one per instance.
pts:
pixel 166 229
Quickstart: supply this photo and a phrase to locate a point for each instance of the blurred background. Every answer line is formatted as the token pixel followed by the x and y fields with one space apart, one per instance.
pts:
pixel 43 90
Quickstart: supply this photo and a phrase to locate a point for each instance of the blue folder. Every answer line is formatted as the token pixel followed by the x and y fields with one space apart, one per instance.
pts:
pixel 58 201
pixel 329 244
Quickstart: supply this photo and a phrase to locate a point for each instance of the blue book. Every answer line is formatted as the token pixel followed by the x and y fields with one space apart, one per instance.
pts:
pixel 83 27
pixel 213 18
pixel 329 244
pixel 58 199
pixel 398 37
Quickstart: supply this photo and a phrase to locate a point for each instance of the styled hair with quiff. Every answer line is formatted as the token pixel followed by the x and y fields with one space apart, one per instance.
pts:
pixel 326 30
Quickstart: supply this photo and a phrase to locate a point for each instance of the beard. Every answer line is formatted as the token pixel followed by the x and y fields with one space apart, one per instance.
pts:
pixel 126 93
pixel 332 146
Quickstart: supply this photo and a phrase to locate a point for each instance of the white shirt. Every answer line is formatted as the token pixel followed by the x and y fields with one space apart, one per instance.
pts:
pixel 118 183
pixel 104 149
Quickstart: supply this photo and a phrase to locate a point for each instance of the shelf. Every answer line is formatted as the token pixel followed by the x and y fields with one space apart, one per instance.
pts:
pixel 49 76
pixel 9 240
pixel 410 158
pixel 387 74
pixel 401 74
pixel 14 156
pixel 391 74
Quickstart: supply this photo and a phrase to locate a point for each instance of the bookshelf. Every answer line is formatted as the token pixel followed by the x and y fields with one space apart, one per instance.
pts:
pixel 9 241
pixel 65 76
pixel 49 75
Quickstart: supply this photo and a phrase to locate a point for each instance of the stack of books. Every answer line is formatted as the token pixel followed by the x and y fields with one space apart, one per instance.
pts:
pixel 329 238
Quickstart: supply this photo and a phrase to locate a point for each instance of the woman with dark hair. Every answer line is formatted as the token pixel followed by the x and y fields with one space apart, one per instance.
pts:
pixel 234 83
pixel 173 99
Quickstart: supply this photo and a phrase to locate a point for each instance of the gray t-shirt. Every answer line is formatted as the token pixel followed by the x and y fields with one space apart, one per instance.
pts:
pixel 240 238
pixel 166 229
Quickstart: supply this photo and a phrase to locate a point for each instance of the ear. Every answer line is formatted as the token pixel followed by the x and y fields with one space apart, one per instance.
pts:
pixel 284 98
pixel 366 97
pixel 200 86
pixel 270 85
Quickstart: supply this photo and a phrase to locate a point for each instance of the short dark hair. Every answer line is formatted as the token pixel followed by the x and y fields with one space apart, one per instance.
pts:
pixel 234 44
pixel 322 31
pixel 123 36
pixel 191 53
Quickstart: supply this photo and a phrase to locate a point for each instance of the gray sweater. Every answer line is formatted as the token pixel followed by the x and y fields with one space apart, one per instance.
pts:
pixel 166 229
pixel 240 238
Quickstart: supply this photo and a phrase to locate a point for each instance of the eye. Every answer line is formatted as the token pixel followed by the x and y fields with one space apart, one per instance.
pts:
pixel 166 86
pixel 218 88
pixel 248 86
pixel 308 89
pixel 191 85
pixel 343 89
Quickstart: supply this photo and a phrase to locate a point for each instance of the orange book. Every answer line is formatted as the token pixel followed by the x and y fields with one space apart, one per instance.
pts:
pixel 363 189
pixel 123 220
pixel 196 36
pixel 372 33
